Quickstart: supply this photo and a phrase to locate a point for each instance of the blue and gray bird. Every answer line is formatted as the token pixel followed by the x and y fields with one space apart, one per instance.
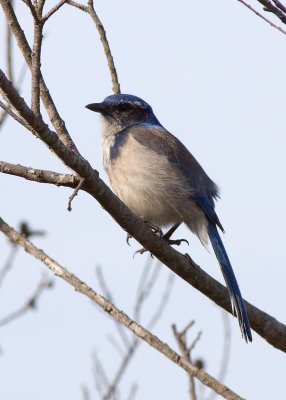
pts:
pixel 157 177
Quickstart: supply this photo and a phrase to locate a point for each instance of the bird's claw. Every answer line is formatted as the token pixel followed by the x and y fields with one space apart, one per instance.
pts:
pixel 128 237
pixel 169 241
pixel 141 251
pixel 176 242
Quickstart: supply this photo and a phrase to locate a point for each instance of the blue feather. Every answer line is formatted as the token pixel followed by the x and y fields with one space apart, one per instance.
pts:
pixel 237 302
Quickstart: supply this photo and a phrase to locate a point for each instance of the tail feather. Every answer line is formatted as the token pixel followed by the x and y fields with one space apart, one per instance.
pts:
pixel 237 302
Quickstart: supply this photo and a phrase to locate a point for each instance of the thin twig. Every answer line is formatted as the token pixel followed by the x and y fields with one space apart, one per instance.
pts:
pixel 8 263
pixel 53 10
pixel 32 9
pixel 106 47
pixel 163 302
pixel 186 352
pixel 75 193
pixel 9 52
pixel 23 44
pixel 102 34
pixel 21 121
pixel 261 16
pixel 9 62
pixel 30 304
pixel 100 377
pixel 146 288
pixel 133 391
pixel 36 68
pixel 123 365
pixel 225 351
pixel 107 294
pixel 81 7
pixel 137 329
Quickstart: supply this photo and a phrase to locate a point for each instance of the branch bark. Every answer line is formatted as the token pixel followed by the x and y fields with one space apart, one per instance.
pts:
pixel 137 329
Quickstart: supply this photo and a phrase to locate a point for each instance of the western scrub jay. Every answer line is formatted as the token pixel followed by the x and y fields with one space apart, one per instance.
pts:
pixel 155 175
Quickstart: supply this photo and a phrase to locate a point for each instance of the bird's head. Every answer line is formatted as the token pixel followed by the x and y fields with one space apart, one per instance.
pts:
pixel 124 110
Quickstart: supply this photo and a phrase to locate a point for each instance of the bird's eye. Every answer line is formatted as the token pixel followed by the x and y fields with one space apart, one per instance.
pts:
pixel 124 107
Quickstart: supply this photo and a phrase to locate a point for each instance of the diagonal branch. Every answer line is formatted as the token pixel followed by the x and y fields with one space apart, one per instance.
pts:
pixel 265 325
pixel 30 304
pixel 269 6
pixel 138 330
pixel 53 10
pixel 102 34
pixel 261 16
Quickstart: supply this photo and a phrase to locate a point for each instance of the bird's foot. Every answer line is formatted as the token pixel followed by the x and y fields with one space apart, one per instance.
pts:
pixel 171 242
pixel 176 242
pixel 141 251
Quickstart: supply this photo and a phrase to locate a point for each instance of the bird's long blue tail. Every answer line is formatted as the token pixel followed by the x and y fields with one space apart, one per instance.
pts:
pixel 237 302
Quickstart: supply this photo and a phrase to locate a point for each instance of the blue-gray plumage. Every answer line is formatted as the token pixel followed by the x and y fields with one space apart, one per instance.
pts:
pixel 155 175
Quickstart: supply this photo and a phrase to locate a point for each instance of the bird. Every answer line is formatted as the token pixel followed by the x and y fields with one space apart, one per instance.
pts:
pixel 158 178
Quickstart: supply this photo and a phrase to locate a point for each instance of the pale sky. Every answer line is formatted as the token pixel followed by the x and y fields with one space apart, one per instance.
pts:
pixel 213 73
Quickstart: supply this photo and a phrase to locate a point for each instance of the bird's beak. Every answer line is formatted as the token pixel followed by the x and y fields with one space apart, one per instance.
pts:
pixel 97 107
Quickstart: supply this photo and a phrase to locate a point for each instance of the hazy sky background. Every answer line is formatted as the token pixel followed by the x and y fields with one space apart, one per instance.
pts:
pixel 214 75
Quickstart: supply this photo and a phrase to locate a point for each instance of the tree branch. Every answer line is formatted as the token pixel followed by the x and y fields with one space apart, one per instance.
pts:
pixel 30 304
pixel 266 326
pixel 138 330
pixel 268 6
pixel 39 175
pixel 50 107
pixel 106 47
pixel 102 34
pixel 53 10
pixel 261 16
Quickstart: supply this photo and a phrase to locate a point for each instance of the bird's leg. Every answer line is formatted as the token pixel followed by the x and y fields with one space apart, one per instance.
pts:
pixel 170 232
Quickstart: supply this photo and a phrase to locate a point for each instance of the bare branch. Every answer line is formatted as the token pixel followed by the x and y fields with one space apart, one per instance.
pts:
pixel 75 193
pixel 106 47
pixel 102 34
pixel 186 352
pixel 100 376
pixel 225 352
pixel 8 111
pixel 261 16
pixel 50 107
pixel 8 263
pixel 268 6
pixel 31 6
pixel 107 294
pixel 30 304
pixel 9 53
pixel 81 7
pixel 36 68
pixel 264 324
pixel 138 330
pixel 133 391
pixel 53 10
pixel 39 175
pixel 163 302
